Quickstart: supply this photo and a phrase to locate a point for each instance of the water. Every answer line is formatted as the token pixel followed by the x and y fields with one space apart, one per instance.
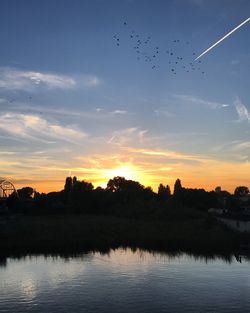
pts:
pixel 124 281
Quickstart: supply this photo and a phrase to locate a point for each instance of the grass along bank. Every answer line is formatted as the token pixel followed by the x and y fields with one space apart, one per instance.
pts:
pixel 78 233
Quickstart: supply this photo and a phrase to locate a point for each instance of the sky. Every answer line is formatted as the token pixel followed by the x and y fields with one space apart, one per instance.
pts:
pixel 91 88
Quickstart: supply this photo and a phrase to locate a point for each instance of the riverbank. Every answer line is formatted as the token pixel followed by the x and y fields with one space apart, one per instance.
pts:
pixel 79 233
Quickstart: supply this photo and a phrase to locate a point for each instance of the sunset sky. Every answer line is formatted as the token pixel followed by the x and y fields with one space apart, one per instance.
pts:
pixel 75 100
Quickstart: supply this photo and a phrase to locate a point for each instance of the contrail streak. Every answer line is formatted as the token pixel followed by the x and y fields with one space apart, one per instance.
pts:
pixel 228 34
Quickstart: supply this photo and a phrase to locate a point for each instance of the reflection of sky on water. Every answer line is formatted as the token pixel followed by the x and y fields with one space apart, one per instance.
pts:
pixel 25 279
pixel 122 281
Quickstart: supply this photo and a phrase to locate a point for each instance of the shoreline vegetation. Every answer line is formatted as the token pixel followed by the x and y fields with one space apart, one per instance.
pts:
pixel 79 219
pixel 72 234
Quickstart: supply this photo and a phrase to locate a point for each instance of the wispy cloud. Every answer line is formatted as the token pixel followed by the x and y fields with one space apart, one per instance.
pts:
pixel 89 81
pixel 242 111
pixel 200 101
pixel 25 80
pixel 16 79
pixel 152 166
pixel 244 145
pixel 147 165
pixel 126 136
pixel 9 153
pixel 168 155
pixel 27 126
pixel 100 114
pixel 235 150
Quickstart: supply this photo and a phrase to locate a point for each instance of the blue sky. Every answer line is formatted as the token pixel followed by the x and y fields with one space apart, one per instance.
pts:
pixel 73 101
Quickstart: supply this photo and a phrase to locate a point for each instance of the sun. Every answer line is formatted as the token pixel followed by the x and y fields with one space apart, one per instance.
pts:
pixel 126 171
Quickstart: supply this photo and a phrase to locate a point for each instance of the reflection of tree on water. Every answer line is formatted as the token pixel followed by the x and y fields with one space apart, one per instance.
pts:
pixel 238 258
pixel 3 261
pixel 116 256
pixel 243 253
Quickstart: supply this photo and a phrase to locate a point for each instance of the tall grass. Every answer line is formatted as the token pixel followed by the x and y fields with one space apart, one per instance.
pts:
pixel 78 233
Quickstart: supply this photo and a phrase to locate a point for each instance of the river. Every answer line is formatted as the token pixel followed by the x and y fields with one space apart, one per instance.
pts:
pixel 124 281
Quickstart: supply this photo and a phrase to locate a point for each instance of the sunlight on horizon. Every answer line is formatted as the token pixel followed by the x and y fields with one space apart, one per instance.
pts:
pixel 126 170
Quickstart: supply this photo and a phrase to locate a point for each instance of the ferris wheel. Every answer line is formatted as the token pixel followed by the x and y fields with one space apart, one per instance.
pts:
pixel 6 188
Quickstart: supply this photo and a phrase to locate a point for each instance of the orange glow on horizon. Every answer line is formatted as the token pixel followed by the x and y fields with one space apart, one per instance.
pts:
pixel 148 167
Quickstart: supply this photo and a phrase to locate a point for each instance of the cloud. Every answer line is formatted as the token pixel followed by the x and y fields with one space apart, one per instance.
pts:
pixel 245 145
pixel 235 150
pixel 15 79
pixel 27 126
pixel 62 110
pixel 9 153
pixel 119 112
pixel 242 111
pixel 169 155
pixel 89 81
pixel 199 101
pixel 126 136
pixel 148 165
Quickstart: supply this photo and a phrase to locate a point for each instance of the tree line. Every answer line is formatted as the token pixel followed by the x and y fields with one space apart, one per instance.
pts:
pixel 126 198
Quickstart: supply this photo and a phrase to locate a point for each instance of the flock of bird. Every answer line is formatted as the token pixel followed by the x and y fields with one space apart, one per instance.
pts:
pixel 147 52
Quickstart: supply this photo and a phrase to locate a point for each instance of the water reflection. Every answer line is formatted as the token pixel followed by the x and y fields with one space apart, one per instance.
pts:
pixel 3 261
pixel 124 280
pixel 125 254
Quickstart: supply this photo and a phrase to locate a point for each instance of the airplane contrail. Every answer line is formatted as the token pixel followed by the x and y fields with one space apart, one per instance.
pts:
pixel 228 34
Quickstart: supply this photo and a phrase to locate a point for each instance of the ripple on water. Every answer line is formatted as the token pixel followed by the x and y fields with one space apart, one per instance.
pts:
pixel 124 281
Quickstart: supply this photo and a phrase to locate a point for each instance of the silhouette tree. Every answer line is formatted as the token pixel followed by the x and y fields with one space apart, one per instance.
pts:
pixel 164 192
pixel 177 187
pixel 198 198
pixel 241 191
pixel 13 202
pixel 81 196
pixel 125 190
pixel 232 204
pixel 68 184
pixel 120 184
pixel 81 187
pixel 161 190
pixel 25 192
pixel 168 191
pixel 116 184
pixel 74 180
